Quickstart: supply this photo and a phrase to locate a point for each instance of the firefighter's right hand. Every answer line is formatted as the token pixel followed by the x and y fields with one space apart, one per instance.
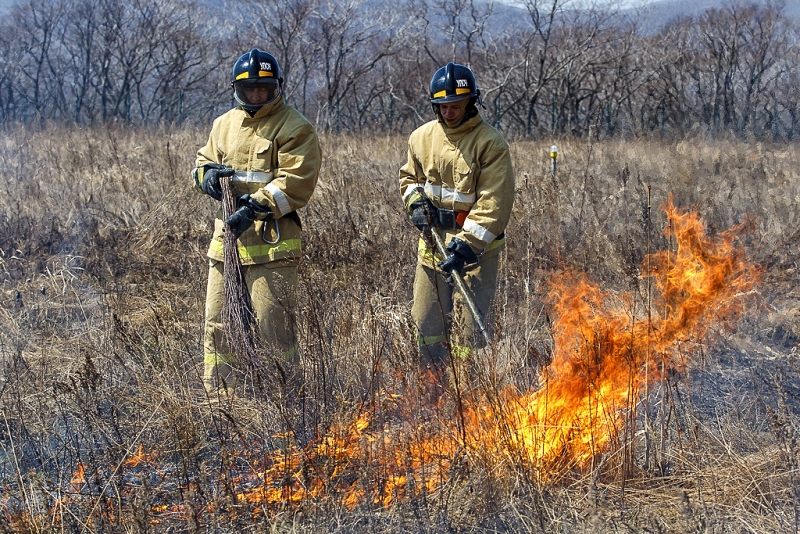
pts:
pixel 461 254
pixel 207 177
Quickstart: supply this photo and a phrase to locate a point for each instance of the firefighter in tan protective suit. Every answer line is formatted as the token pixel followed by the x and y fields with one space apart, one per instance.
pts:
pixel 458 181
pixel 271 152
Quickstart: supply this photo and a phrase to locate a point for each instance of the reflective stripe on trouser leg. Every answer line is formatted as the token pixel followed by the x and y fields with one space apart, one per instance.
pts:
pixel 272 288
pixel 434 298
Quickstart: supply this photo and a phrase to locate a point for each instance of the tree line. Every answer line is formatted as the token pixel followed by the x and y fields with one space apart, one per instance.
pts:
pixel 546 67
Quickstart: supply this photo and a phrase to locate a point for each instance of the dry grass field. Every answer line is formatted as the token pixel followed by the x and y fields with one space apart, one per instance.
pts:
pixel 616 398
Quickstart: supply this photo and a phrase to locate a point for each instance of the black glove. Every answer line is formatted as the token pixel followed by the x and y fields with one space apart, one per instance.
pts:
pixel 207 176
pixel 423 215
pixel 460 254
pixel 422 212
pixel 249 210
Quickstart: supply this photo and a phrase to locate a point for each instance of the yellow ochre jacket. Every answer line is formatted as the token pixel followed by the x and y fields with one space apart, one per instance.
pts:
pixel 277 159
pixel 466 169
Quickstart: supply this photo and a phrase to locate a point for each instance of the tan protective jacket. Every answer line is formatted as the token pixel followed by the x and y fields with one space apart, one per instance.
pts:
pixel 466 168
pixel 277 158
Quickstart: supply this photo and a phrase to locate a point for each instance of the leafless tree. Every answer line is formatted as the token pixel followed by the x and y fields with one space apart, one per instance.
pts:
pixel 354 37
pixel 283 28
pixel 549 66
pixel 40 25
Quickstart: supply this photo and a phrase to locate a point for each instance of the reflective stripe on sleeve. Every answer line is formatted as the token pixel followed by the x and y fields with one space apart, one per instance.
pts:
pixel 281 202
pixel 479 231
pixel 446 193
pixel 410 190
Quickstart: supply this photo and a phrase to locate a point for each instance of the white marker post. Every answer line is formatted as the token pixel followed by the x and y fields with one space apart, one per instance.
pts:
pixel 553 157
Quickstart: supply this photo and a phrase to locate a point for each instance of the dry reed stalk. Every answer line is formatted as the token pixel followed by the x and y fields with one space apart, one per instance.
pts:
pixel 237 309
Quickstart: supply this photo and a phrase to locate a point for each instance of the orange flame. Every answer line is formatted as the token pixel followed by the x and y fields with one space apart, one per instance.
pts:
pixel 139 457
pixel 605 352
pixel 78 478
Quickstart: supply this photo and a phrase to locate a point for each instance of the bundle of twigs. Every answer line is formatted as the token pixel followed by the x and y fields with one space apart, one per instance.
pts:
pixel 237 309
pixel 238 318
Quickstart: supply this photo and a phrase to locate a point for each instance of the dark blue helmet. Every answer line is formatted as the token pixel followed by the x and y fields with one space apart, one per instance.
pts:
pixel 453 82
pixel 256 69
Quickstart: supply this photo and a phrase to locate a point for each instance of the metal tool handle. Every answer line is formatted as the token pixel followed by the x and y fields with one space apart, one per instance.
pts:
pixel 462 288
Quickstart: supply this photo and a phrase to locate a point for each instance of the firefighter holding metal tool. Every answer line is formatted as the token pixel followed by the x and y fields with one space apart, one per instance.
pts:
pixel 458 189
pixel 271 154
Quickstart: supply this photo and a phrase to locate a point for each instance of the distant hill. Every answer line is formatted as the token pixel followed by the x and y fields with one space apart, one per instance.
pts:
pixel 652 15
pixel 507 14
pixel 656 14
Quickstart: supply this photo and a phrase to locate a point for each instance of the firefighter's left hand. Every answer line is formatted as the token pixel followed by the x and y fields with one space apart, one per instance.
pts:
pixel 249 210
pixel 423 214
pixel 461 254
pixel 421 217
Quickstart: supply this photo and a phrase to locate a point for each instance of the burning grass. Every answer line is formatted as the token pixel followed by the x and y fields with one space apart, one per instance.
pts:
pixel 643 376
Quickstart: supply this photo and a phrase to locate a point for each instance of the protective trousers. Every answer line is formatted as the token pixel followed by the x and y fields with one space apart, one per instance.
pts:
pixel 272 287
pixel 435 300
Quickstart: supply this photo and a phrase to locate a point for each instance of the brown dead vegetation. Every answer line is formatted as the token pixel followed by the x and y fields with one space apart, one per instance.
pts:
pixel 104 426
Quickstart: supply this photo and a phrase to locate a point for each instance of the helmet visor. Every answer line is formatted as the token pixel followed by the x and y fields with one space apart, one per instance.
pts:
pixel 253 94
